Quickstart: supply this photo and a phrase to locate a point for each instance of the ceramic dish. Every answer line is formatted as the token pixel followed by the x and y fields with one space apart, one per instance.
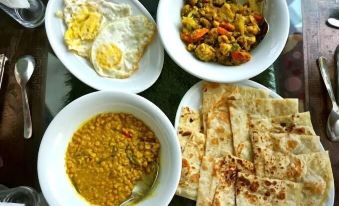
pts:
pixel 193 96
pixel 193 99
pixel 150 65
pixel 267 51
pixel 54 182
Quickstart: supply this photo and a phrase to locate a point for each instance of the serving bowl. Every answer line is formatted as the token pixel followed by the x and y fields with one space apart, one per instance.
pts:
pixel 55 184
pixel 263 55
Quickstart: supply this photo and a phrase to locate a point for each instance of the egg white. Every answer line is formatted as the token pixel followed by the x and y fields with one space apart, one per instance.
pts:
pixel 110 12
pixel 131 35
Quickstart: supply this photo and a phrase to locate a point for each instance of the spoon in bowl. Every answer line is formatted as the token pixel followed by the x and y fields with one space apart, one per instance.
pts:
pixel 264 26
pixel 23 71
pixel 332 127
pixel 143 186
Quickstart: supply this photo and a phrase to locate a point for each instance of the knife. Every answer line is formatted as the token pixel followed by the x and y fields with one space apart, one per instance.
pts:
pixel 3 60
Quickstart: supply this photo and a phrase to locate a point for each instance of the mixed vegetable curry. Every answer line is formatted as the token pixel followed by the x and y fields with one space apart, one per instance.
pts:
pixel 221 30
pixel 108 154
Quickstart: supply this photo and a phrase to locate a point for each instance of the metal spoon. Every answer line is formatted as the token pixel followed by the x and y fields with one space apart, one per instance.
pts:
pixel 24 68
pixel 332 127
pixel 143 186
pixel 333 22
pixel 264 26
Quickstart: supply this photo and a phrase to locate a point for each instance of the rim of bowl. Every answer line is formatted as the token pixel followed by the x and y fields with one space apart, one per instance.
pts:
pixel 47 191
pixel 225 77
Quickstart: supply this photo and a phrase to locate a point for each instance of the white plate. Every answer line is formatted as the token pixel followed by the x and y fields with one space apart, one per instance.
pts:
pixel 150 65
pixel 193 99
pixel 55 184
pixel 267 51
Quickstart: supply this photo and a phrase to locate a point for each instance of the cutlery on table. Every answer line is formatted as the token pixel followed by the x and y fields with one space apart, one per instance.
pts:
pixel 332 127
pixel 23 71
pixel 336 60
pixel 333 22
pixel 3 60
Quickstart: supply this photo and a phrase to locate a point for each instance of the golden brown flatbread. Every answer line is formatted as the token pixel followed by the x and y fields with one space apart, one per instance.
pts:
pixel 299 123
pixel 207 182
pixel 227 171
pixel 219 140
pixel 240 110
pixel 191 160
pixel 313 170
pixel 189 123
pixel 283 143
pixel 257 191
pixel 212 93
pixel 217 179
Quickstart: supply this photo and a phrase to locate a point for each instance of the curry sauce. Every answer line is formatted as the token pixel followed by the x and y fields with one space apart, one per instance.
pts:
pixel 108 154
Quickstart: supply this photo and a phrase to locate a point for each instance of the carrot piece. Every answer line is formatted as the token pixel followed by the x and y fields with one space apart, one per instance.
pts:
pixel 186 37
pixel 126 133
pixel 240 56
pixel 259 18
pixel 228 26
pixel 222 31
pixel 198 34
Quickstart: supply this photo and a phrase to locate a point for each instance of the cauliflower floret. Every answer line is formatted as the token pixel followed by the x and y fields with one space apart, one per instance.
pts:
pixel 205 52
pixel 189 24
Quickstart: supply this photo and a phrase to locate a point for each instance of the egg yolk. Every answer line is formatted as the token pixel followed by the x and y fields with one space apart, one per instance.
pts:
pixel 84 25
pixel 108 56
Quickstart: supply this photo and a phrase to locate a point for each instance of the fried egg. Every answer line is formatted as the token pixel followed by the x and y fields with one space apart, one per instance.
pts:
pixel 86 18
pixel 118 48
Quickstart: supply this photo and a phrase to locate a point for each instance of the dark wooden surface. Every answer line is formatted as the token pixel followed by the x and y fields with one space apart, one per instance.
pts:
pixel 320 40
pixel 15 41
pixel 15 151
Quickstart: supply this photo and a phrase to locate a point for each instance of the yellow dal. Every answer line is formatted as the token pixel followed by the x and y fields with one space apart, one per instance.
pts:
pixel 108 154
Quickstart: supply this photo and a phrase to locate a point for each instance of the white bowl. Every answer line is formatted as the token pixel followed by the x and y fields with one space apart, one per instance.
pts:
pixel 267 51
pixel 54 182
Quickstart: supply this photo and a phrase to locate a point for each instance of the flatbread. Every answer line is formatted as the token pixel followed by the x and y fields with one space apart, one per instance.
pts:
pixel 285 143
pixel 212 93
pixel 189 123
pixel 191 160
pixel 257 191
pixel 217 179
pixel 299 123
pixel 207 182
pixel 313 170
pixel 240 110
pixel 227 175
pixel 219 139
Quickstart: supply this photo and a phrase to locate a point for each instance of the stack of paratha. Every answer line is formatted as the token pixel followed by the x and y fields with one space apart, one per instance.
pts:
pixel 245 148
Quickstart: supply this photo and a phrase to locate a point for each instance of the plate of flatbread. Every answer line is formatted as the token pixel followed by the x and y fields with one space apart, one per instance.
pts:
pixel 243 144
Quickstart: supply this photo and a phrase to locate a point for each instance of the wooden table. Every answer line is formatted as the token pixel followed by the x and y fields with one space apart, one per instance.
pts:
pixel 320 40
pixel 295 75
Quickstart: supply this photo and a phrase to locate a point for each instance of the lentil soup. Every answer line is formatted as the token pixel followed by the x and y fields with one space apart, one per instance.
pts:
pixel 108 154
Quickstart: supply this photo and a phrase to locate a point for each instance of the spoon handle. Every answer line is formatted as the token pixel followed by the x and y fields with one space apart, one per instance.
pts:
pixel 27 115
pixel 324 73
pixel 336 59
